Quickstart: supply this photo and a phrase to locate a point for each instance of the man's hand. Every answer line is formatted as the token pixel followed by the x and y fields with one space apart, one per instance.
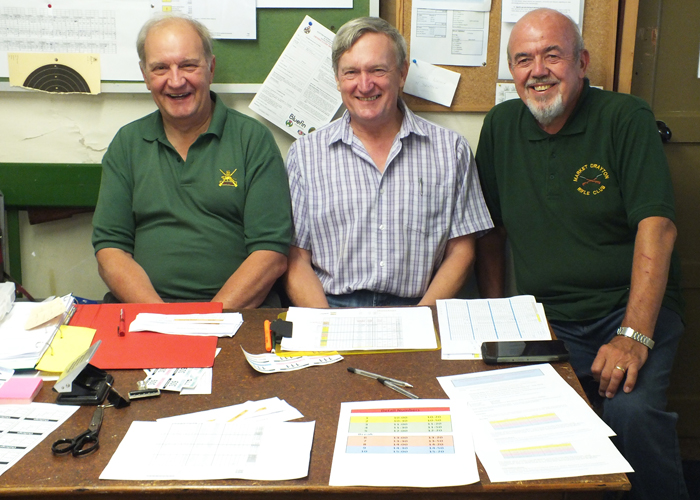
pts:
pixel 620 359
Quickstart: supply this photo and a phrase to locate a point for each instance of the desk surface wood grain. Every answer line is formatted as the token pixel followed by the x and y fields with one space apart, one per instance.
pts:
pixel 317 392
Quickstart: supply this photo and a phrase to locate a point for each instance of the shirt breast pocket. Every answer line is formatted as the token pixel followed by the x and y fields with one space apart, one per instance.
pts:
pixel 425 208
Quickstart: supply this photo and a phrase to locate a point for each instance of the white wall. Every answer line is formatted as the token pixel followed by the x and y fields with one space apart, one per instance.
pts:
pixel 57 257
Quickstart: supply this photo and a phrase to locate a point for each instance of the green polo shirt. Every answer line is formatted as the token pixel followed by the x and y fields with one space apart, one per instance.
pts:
pixel 190 224
pixel 571 201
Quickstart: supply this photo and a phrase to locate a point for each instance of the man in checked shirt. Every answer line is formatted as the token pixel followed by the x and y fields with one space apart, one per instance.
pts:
pixel 387 206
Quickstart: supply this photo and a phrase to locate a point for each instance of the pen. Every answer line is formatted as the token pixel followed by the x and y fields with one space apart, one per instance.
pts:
pixel 121 328
pixel 268 336
pixel 398 389
pixel 378 377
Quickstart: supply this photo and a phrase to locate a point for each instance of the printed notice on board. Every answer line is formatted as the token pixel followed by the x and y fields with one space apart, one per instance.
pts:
pixel 300 94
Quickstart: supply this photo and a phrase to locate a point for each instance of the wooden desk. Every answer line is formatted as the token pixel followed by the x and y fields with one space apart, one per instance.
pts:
pixel 317 392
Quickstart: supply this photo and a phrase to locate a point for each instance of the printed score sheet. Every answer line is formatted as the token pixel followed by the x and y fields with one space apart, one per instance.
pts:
pixel 360 329
pixel 465 324
pixel 206 451
pixel 418 443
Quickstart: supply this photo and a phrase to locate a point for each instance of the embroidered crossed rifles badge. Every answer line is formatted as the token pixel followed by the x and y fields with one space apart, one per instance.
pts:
pixel 227 178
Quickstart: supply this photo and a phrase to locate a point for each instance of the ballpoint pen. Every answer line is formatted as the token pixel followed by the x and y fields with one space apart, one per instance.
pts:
pixel 398 389
pixel 378 377
pixel 121 329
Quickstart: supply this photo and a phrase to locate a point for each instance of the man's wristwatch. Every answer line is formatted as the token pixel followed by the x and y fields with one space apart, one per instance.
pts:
pixel 626 331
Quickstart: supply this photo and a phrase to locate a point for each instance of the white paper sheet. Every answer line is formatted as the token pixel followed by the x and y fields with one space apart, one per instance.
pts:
pixel 266 410
pixel 22 427
pixel 211 324
pixel 505 92
pixel 528 423
pixel 232 19
pixel 465 324
pixel 20 348
pixel 305 4
pixel 300 94
pixel 105 28
pixel 153 451
pixel 452 37
pixel 476 5
pixel 431 82
pixel 360 329
pixel 272 363
pixel 419 443
pixel 513 10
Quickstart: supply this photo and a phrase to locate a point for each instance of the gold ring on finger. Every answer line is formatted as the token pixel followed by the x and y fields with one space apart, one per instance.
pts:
pixel 620 368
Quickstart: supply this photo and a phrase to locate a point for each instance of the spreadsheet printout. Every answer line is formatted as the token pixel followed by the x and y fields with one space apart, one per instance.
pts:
pixel 422 443
pixel 465 324
pixel 360 329
pixel 198 451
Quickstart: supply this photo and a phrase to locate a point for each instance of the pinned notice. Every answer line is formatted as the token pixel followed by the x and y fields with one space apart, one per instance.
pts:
pixel 431 82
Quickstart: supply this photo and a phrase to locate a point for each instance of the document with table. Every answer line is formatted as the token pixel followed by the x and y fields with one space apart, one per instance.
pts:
pixel 247 441
pixel 423 443
pixel 465 324
pixel 364 329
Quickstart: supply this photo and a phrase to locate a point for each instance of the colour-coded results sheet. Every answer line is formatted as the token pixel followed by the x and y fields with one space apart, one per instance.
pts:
pixel 403 443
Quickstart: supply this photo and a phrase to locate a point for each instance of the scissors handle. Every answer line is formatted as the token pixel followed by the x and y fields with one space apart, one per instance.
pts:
pixel 86 444
pixel 63 446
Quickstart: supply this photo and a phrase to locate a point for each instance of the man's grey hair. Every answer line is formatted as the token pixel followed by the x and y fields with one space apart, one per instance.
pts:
pixel 578 47
pixel 162 19
pixel 351 31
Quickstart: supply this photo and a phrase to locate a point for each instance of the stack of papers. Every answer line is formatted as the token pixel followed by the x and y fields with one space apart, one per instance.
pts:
pixel 218 324
pixel 360 329
pixel 233 442
pixel 529 423
pixel 22 347
pixel 465 324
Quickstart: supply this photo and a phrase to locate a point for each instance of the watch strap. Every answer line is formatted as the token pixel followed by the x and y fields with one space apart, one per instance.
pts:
pixel 626 331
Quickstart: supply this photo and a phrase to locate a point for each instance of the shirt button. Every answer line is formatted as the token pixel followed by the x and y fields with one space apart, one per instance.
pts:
pixel 381 264
pixel 551 176
pixel 381 227
pixel 381 191
pixel 348 289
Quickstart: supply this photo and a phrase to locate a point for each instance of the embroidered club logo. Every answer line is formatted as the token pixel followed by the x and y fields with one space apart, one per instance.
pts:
pixel 227 179
pixel 590 179
pixel 289 123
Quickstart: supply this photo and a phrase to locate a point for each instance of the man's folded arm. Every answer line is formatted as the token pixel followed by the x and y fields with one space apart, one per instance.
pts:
pixel 303 286
pixel 453 272
pixel 248 286
pixel 124 277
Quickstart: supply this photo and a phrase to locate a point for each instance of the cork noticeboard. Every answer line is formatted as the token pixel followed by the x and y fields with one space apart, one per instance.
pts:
pixel 477 85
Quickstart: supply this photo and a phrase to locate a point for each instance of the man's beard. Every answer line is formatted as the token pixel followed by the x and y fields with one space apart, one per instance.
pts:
pixel 545 114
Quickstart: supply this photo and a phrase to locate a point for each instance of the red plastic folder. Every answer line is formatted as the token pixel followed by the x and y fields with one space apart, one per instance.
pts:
pixel 139 350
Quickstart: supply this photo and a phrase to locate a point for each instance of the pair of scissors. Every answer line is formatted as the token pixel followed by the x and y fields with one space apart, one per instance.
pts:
pixel 84 443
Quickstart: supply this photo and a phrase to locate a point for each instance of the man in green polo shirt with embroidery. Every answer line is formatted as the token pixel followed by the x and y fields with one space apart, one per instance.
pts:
pixel 576 178
pixel 194 201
